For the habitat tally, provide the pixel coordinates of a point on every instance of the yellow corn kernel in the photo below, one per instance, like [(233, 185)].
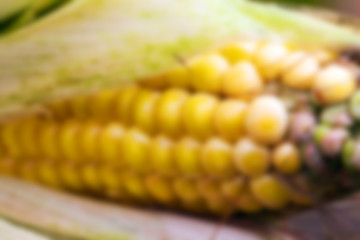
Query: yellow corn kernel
[(334, 84), (239, 51), (179, 76), (69, 142), (160, 189), (111, 143), (229, 119), (301, 75), (27, 135), (102, 104), (286, 158), (8, 167), (251, 159), (270, 192), (186, 190), (219, 207), (209, 189), (161, 155), (187, 156), (198, 115), (266, 120), (242, 81), (91, 177), (211, 192), (70, 176), (48, 174), (113, 182), (247, 202), (136, 150), (89, 140), (206, 71), (123, 104), (232, 188), (155, 82), (168, 111), (79, 106), (268, 59), (135, 188), (143, 110), (58, 109), (49, 141), (9, 139), (216, 158), (27, 171), (110, 177)]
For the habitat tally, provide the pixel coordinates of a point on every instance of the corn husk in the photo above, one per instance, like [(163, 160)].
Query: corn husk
[(9, 231), (76, 217), (89, 45)]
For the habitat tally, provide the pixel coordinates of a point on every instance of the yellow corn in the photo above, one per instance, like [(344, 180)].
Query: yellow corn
[(206, 136)]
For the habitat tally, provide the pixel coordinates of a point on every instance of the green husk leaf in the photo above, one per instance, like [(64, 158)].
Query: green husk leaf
[(34, 11), (89, 45), (294, 24), (9, 8)]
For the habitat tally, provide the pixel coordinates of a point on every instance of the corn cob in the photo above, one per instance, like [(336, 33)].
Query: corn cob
[(230, 130)]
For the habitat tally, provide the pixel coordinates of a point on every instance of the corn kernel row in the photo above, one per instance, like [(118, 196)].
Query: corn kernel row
[(195, 194), (241, 70), (133, 149), (175, 112)]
